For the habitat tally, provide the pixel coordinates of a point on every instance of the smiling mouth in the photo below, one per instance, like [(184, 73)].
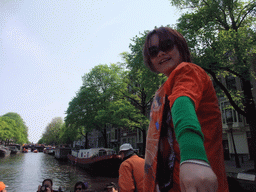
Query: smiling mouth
[(161, 62)]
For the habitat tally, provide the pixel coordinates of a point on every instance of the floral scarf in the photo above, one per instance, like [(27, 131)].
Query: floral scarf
[(159, 157)]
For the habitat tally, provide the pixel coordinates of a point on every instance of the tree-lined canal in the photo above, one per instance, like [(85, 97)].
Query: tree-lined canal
[(25, 171)]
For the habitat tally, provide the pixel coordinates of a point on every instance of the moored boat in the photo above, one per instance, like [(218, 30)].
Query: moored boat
[(61, 153), (49, 150), (24, 150), (14, 149), (4, 151), (97, 161)]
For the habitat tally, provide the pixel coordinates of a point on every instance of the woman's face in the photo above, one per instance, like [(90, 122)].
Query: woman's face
[(49, 184), (79, 188), (164, 61)]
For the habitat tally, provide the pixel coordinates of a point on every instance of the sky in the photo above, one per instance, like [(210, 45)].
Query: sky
[(47, 46)]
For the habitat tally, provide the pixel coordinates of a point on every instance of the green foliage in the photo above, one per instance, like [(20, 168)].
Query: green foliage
[(142, 85), (51, 136), (41, 141), (7, 126), (221, 39), (101, 86), (67, 134), (12, 127)]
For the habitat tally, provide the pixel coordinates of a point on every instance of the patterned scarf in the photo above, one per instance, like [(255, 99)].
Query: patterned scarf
[(159, 157)]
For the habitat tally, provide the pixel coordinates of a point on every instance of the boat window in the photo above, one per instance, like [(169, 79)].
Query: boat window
[(102, 152)]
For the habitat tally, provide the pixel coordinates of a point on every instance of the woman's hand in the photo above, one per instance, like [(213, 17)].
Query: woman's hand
[(48, 189), (39, 188), (197, 178)]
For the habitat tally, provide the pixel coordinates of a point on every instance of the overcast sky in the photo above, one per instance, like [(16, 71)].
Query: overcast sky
[(47, 46)]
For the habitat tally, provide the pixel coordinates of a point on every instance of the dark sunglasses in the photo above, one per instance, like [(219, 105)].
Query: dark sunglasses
[(165, 46), (79, 189)]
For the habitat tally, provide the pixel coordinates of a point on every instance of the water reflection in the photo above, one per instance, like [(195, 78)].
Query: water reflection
[(25, 171)]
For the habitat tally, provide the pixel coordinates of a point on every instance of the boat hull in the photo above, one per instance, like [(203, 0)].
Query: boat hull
[(106, 165), (4, 152)]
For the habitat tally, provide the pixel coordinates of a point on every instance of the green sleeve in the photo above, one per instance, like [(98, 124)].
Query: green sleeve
[(188, 130)]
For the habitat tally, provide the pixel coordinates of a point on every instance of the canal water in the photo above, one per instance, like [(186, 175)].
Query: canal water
[(25, 171)]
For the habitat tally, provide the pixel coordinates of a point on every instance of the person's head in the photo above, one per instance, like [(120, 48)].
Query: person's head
[(80, 186), (111, 187), (126, 150), (164, 49), (47, 183), (2, 187)]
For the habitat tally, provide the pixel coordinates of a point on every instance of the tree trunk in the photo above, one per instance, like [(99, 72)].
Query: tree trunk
[(86, 141), (250, 115), (105, 137)]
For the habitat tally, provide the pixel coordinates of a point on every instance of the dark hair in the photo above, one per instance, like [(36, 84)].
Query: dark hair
[(164, 33), (47, 180), (110, 186), (84, 185)]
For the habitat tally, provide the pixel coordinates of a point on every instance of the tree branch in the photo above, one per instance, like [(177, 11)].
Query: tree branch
[(240, 111), (248, 11), (231, 71), (225, 25)]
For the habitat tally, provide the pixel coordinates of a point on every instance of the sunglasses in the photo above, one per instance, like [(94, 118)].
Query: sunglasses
[(165, 46), (79, 189)]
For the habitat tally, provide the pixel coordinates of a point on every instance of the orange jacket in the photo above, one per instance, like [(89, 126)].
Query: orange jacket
[(189, 80), (131, 173)]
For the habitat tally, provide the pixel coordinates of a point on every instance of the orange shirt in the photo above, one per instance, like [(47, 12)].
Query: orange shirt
[(189, 80), (131, 172)]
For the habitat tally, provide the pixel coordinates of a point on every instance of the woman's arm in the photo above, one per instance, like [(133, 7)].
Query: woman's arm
[(194, 175)]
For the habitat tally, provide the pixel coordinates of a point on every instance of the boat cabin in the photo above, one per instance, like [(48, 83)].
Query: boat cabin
[(93, 152)]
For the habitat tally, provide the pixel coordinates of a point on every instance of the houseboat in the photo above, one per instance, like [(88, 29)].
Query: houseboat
[(4, 151), (13, 149), (49, 150), (97, 161), (61, 153)]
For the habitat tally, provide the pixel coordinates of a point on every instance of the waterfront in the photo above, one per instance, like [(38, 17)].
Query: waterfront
[(25, 171)]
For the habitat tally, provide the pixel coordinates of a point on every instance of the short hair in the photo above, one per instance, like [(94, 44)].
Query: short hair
[(111, 185), (84, 185), (47, 180), (164, 33)]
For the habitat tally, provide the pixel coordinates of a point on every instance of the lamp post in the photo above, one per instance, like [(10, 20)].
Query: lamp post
[(230, 128)]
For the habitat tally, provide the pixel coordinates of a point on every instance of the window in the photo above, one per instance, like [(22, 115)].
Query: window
[(139, 136), (225, 110), (231, 83), (114, 134), (102, 152)]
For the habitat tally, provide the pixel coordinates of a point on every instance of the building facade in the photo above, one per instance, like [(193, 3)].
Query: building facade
[(236, 131)]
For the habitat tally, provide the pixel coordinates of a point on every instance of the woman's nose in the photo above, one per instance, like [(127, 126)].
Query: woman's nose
[(160, 53)]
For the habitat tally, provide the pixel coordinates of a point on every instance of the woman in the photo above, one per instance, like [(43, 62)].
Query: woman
[(184, 143), (80, 186)]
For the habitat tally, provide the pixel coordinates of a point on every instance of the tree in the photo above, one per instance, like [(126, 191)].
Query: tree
[(142, 85), (222, 39), (20, 130), (76, 122), (67, 134), (6, 129), (100, 87), (51, 136)]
